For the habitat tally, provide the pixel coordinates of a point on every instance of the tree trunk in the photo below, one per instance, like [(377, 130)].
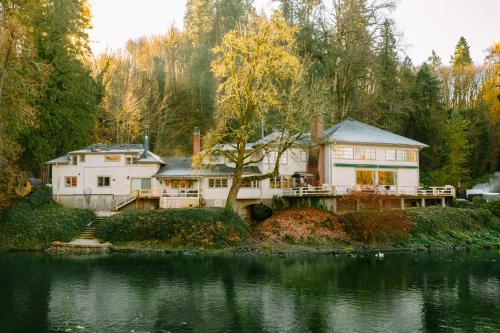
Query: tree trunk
[(238, 172)]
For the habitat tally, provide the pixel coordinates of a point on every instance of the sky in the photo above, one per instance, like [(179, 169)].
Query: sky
[(424, 24)]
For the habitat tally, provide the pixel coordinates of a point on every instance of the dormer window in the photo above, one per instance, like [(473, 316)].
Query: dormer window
[(74, 159), (131, 160)]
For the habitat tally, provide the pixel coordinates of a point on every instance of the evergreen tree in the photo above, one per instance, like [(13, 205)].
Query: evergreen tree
[(434, 61), (461, 56), (68, 104)]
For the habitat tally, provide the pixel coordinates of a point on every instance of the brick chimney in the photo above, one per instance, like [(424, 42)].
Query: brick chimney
[(196, 141), (316, 160), (145, 146)]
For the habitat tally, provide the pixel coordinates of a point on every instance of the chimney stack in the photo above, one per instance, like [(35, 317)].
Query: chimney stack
[(196, 141), (316, 163), (145, 147)]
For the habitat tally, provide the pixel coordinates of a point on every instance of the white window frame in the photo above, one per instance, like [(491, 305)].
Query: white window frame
[(74, 159), (130, 160), (252, 183), (103, 182), (112, 161), (214, 183), (303, 156), (279, 182), (343, 153), (365, 154), (389, 153)]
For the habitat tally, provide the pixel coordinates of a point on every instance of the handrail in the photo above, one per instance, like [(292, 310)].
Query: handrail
[(326, 190)]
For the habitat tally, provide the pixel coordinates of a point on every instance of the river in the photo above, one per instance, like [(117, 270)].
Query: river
[(401, 292)]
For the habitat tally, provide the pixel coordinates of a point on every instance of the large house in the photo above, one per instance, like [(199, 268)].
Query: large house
[(349, 157)]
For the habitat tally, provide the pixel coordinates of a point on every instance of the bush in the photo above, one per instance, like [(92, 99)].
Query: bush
[(451, 225), (176, 227), (26, 227), (494, 207), (478, 202), (382, 227)]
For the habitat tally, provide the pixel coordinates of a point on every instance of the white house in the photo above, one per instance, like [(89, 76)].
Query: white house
[(350, 157)]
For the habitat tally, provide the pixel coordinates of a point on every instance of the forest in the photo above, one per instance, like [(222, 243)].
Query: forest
[(55, 96)]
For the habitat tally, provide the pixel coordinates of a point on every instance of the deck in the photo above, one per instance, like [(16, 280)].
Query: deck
[(399, 191)]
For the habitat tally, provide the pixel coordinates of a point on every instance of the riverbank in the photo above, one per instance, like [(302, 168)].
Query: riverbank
[(313, 231), (36, 222)]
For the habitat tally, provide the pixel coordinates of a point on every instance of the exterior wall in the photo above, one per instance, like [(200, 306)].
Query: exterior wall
[(120, 174), (95, 202), (407, 172)]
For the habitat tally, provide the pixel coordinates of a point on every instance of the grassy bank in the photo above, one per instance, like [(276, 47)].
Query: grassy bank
[(33, 223), (187, 228)]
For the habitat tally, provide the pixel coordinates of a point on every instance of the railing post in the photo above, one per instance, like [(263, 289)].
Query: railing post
[(301, 191)]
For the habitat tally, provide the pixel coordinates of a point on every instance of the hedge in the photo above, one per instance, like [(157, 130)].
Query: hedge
[(176, 227), (35, 222)]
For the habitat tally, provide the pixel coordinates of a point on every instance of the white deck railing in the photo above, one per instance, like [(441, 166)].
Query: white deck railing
[(177, 193), (441, 191)]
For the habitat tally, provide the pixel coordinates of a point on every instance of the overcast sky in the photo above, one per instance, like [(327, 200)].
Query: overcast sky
[(425, 24)]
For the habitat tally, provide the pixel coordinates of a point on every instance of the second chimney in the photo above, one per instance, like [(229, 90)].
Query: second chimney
[(196, 141)]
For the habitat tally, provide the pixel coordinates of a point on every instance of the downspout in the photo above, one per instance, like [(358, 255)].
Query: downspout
[(58, 183)]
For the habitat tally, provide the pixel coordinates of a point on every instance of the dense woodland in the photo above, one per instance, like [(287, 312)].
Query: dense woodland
[(55, 97)]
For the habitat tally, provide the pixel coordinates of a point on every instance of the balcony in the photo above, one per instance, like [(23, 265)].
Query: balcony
[(390, 190)]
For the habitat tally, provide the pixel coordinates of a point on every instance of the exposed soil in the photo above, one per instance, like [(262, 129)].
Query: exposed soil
[(302, 224)]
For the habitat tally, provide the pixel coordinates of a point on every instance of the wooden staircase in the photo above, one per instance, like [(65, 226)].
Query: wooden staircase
[(124, 200)]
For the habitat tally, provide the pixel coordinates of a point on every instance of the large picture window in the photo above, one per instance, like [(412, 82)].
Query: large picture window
[(112, 158), (343, 153), (365, 177), (387, 178), (390, 154), (407, 155), (280, 182), (250, 183)]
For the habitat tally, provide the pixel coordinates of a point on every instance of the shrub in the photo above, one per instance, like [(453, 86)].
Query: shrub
[(451, 225), (478, 202), (176, 227), (26, 227), (376, 226), (494, 207)]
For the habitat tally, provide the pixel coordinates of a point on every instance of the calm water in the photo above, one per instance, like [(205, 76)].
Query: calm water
[(457, 292)]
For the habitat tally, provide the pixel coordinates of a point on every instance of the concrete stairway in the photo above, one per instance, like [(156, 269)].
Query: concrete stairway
[(89, 232)]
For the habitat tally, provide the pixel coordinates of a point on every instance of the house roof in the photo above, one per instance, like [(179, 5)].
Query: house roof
[(111, 148), (354, 131), (59, 160), (182, 167)]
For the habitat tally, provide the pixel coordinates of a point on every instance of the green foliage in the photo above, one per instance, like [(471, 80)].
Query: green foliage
[(494, 207), (176, 227), (277, 203), (40, 196), (452, 226), (478, 202), (27, 227)]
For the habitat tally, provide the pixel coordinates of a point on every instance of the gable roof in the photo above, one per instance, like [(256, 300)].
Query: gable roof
[(354, 131)]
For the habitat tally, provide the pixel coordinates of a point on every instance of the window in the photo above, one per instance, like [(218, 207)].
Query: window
[(103, 181), (303, 156), (131, 160), (217, 182), (343, 152), (112, 158), (74, 159), (387, 178), (271, 157), (280, 182), (402, 155), (407, 155), (250, 183), (365, 153), (390, 154), (412, 156), (71, 181), (82, 158), (284, 158), (365, 177)]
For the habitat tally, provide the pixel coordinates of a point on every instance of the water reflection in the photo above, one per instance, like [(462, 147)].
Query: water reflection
[(153, 293)]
